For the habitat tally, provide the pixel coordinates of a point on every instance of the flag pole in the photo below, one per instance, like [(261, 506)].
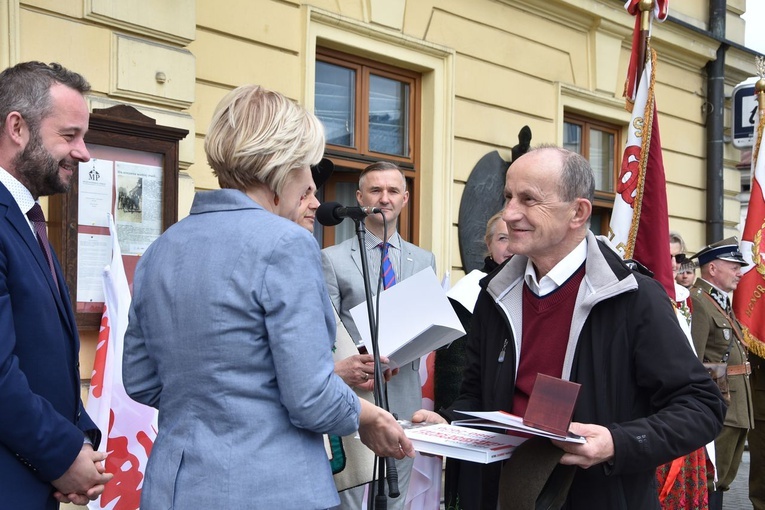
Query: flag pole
[(759, 91), (645, 6)]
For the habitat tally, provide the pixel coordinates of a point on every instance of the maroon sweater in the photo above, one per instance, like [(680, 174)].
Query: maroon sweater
[(546, 327)]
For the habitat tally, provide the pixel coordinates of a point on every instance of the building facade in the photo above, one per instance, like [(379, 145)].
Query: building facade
[(431, 84)]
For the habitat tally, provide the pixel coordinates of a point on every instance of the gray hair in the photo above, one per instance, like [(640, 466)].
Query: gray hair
[(25, 88)]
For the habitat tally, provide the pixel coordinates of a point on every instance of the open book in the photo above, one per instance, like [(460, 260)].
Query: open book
[(415, 319), (507, 421), (460, 442)]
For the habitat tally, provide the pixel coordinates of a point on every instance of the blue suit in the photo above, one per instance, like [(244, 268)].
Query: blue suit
[(230, 337), (42, 421)]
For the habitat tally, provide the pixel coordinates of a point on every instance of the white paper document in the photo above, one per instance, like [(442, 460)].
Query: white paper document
[(466, 291), (507, 421), (415, 319)]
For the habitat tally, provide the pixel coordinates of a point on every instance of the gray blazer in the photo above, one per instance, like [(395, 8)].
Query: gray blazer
[(230, 337), (342, 271)]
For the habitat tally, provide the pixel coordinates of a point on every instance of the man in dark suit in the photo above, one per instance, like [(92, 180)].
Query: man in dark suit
[(47, 440), (381, 185)]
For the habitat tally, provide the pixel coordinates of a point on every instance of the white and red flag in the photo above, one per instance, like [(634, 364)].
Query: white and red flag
[(748, 299), (639, 226), (128, 428)]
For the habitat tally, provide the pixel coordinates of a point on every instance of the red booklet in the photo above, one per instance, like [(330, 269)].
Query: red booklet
[(548, 414), (551, 404)]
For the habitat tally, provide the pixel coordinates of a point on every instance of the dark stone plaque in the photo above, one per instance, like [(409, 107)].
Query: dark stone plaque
[(484, 196)]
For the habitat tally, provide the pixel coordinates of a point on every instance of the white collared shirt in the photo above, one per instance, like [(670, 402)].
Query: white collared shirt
[(20, 194), (559, 274), (374, 254)]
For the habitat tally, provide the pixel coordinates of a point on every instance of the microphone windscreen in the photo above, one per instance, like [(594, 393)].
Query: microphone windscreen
[(325, 214)]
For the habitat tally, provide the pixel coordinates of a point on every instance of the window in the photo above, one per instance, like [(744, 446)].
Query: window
[(370, 113), (599, 143)]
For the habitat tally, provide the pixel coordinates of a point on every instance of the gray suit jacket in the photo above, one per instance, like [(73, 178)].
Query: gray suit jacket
[(342, 271), (230, 337)]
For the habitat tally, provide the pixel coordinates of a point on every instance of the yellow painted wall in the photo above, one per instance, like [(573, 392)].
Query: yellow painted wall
[(489, 67)]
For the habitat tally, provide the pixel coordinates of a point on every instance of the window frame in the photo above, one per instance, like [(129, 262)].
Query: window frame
[(350, 161), (604, 199), (365, 67)]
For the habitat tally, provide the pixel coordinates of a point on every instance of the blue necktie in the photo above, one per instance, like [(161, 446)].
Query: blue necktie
[(389, 276)]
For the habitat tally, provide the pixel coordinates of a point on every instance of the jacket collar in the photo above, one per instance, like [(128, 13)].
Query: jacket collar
[(606, 274), (222, 200), (407, 256), (721, 297), (18, 221)]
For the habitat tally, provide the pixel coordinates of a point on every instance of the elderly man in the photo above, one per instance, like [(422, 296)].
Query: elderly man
[(717, 337), (566, 305), (46, 439)]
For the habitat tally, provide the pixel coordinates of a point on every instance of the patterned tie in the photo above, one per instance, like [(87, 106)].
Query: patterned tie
[(389, 276), (37, 218)]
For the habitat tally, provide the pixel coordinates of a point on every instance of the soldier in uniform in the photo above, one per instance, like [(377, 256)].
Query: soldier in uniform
[(717, 338)]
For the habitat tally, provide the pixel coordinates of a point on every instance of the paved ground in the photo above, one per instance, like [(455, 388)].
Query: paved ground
[(737, 498)]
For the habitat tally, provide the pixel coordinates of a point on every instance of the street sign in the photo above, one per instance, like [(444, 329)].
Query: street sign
[(744, 114)]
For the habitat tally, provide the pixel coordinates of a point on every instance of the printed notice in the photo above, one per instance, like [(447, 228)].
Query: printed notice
[(139, 206), (94, 198), (93, 255)]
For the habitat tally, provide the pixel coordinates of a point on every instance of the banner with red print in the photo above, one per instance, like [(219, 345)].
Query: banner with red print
[(639, 226), (748, 302), (129, 428)]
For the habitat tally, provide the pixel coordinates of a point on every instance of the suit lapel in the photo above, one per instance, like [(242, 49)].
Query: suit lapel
[(407, 260), (356, 254), (18, 222)]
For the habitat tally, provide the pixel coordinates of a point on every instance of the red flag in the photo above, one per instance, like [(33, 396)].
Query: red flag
[(748, 298), (129, 428), (639, 226)]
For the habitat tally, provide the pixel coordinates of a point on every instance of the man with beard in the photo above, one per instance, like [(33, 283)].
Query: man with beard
[(47, 441)]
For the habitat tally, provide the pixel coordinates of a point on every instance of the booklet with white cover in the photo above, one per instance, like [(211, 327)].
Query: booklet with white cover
[(460, 442), (507, 421), (415, 319)]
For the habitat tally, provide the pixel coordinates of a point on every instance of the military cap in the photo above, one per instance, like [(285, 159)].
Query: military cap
[(727, 249)]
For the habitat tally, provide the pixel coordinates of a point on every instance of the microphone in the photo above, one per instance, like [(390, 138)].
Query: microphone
[(332, 213)]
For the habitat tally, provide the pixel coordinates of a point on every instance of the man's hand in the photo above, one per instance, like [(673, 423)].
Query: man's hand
[(84, 480), (427, 416), (598, 448), (358, 371), (381, 433)]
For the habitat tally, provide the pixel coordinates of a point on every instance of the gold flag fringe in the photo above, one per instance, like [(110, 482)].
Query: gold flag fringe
[(755, 345)]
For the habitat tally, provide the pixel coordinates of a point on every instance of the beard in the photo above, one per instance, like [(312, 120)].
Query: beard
[(38, 170)]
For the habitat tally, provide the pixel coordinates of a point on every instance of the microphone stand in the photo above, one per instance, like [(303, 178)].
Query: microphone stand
[(381, 397)]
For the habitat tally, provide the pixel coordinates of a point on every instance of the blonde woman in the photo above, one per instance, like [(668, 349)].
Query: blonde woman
[(231, 329)]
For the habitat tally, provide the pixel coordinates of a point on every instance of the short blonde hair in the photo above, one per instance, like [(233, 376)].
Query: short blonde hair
[(258, 136), (490, 229)]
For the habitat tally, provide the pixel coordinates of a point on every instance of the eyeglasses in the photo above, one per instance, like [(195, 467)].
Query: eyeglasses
[(680, 258)]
